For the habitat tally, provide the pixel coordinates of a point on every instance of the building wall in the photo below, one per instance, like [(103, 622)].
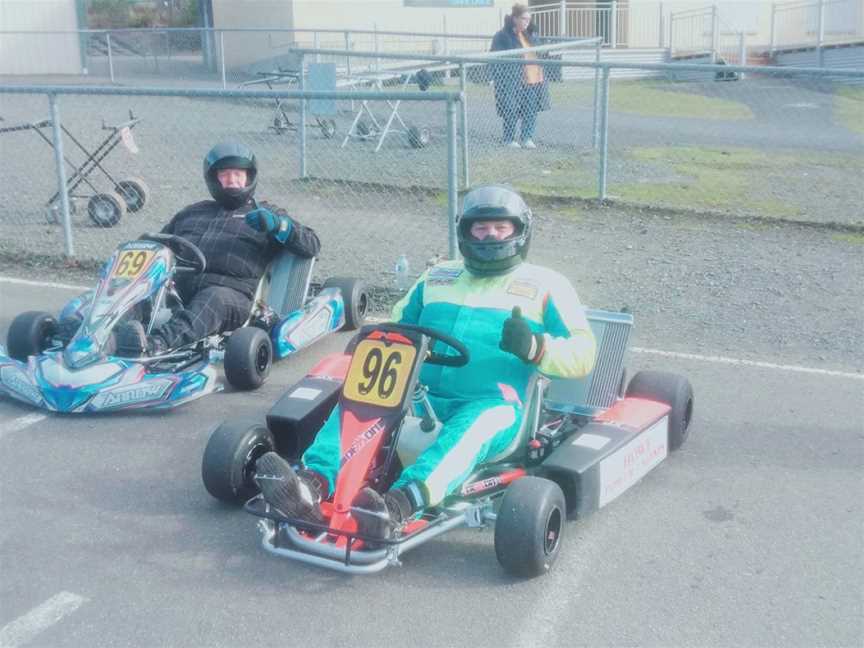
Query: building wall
[(243, 49), (42, 53)]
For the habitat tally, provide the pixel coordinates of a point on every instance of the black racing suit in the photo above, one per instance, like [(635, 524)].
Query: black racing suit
[(237, 255)]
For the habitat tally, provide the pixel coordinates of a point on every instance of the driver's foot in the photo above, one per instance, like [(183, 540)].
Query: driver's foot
[(377, 515), (291, 495)]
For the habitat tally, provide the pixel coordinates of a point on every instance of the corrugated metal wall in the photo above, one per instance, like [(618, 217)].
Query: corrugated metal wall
[(39, 54), (841, 57)]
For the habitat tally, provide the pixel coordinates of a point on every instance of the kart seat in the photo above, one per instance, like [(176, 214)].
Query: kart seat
[(585, 396), (285, 285)]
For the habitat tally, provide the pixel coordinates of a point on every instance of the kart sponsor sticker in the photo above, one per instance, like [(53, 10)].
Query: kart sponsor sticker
[(593, 441), (361, 440), (379, 372), (305, 393), (631, 462), (17, 381), (311, 329), (131, 263), (442, 276), (523, 289), (153, 390)]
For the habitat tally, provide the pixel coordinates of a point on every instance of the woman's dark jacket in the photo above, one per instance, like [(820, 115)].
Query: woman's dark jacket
[(511, 96)]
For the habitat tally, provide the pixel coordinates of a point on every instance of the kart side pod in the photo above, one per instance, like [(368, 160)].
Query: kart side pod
[(610, 454)]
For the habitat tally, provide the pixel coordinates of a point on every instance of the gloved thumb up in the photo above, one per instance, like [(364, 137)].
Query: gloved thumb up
[(518, 339)]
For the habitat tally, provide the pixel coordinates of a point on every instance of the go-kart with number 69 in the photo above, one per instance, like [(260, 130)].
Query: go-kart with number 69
[(75, 368), (582, 443)]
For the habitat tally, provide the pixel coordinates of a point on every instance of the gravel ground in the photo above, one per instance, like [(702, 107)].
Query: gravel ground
[(777, 292)]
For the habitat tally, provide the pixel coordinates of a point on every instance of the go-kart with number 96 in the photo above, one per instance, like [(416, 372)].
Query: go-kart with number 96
[(72, 365), (581, 444)]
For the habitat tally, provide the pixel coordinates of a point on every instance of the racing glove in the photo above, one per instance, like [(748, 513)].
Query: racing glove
[(264, 220), (518, 338)]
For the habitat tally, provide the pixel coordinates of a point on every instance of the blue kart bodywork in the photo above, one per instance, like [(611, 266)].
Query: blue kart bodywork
[(82, 374)]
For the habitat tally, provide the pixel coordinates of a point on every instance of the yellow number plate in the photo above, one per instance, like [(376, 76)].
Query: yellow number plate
[(379, 373), (132, 262)]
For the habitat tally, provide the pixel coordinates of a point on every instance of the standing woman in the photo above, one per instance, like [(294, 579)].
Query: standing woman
[(521, 91)]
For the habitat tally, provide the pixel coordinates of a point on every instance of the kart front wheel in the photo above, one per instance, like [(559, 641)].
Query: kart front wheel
[(248, 358), (30, 334), (529, 526), (675, 391), (228, 467), (355, 298)]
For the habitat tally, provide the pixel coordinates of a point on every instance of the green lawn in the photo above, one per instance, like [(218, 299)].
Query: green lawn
[(849, 108)]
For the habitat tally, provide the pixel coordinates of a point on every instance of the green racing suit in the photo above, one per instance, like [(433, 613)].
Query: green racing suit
[(481, 403)]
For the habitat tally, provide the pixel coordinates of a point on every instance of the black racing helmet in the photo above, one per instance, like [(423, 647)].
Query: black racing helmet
[(493, 202), (230, 155)]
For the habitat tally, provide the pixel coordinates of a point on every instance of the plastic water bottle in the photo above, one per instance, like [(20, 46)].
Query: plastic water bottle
[(402, 272)]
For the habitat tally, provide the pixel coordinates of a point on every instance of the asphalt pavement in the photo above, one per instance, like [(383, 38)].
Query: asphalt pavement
[(750, 535)]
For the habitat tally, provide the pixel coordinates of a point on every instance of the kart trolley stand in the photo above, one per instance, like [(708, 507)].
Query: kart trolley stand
[(361, 129), (281, 122), (105, 208)]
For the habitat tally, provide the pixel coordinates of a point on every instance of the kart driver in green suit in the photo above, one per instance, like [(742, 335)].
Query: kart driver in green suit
[(514, 317)]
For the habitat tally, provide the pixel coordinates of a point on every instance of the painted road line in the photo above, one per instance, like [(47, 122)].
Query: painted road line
[(749, 363), (20, 423), (41, 284), (40, 618)]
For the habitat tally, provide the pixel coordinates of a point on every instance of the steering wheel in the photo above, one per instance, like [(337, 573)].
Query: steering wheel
[(189, 257), (436, 336)]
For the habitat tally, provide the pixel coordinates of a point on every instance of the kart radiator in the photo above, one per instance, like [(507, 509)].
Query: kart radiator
[(289, 282), (599, 389)]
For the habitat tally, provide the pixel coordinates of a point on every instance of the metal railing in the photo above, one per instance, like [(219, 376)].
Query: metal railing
[(815, 23)]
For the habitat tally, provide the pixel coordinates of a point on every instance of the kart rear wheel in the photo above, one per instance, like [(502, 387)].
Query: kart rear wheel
[(106, 209), (529, 526), (248, 357), (134, 192), (673, 390), (30, 334), (355, 298), (228, 467)]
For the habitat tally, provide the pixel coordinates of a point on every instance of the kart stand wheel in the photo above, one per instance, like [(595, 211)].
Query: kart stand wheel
[(280, 123), (228, 466), (30, 334), (54, 211), (328, 127), (673, 390), (529, 526), (362, 129), (106, 209), (355, 298), (134, 192), (248, 357), (419, 137)]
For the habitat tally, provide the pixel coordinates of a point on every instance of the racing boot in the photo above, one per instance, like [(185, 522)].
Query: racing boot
[(292, 494), (377, 515)]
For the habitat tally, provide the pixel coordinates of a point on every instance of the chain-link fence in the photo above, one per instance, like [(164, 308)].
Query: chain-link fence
[(377, 174)]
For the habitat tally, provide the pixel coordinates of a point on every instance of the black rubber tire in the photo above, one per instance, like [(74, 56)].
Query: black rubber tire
[(106, 209), (529, 527), (30, 334), (419, 137), (248, 358), (54, 211), (356, 299), (328, 127), (675, 391), (134, 192), (228, 466), (362, 129)]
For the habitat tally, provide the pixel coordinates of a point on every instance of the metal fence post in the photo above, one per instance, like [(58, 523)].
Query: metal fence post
[(660, 26), (773, 29), (671, 34), (562, 18), (377, 49), (604, 135), (61, 174), (595, 127), (452, 180), (316, 43), (715, 33), (110, 57), (463, 126), (222, 59), (302, 125), (613, 23), (742, 52), (820, 33)]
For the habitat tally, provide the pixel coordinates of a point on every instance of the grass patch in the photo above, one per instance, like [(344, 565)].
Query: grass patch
[(856, 238), (648, 98), (849, 108), (539, 173)]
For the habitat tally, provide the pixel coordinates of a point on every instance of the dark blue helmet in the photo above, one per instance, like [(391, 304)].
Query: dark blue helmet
[(230, 155)]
